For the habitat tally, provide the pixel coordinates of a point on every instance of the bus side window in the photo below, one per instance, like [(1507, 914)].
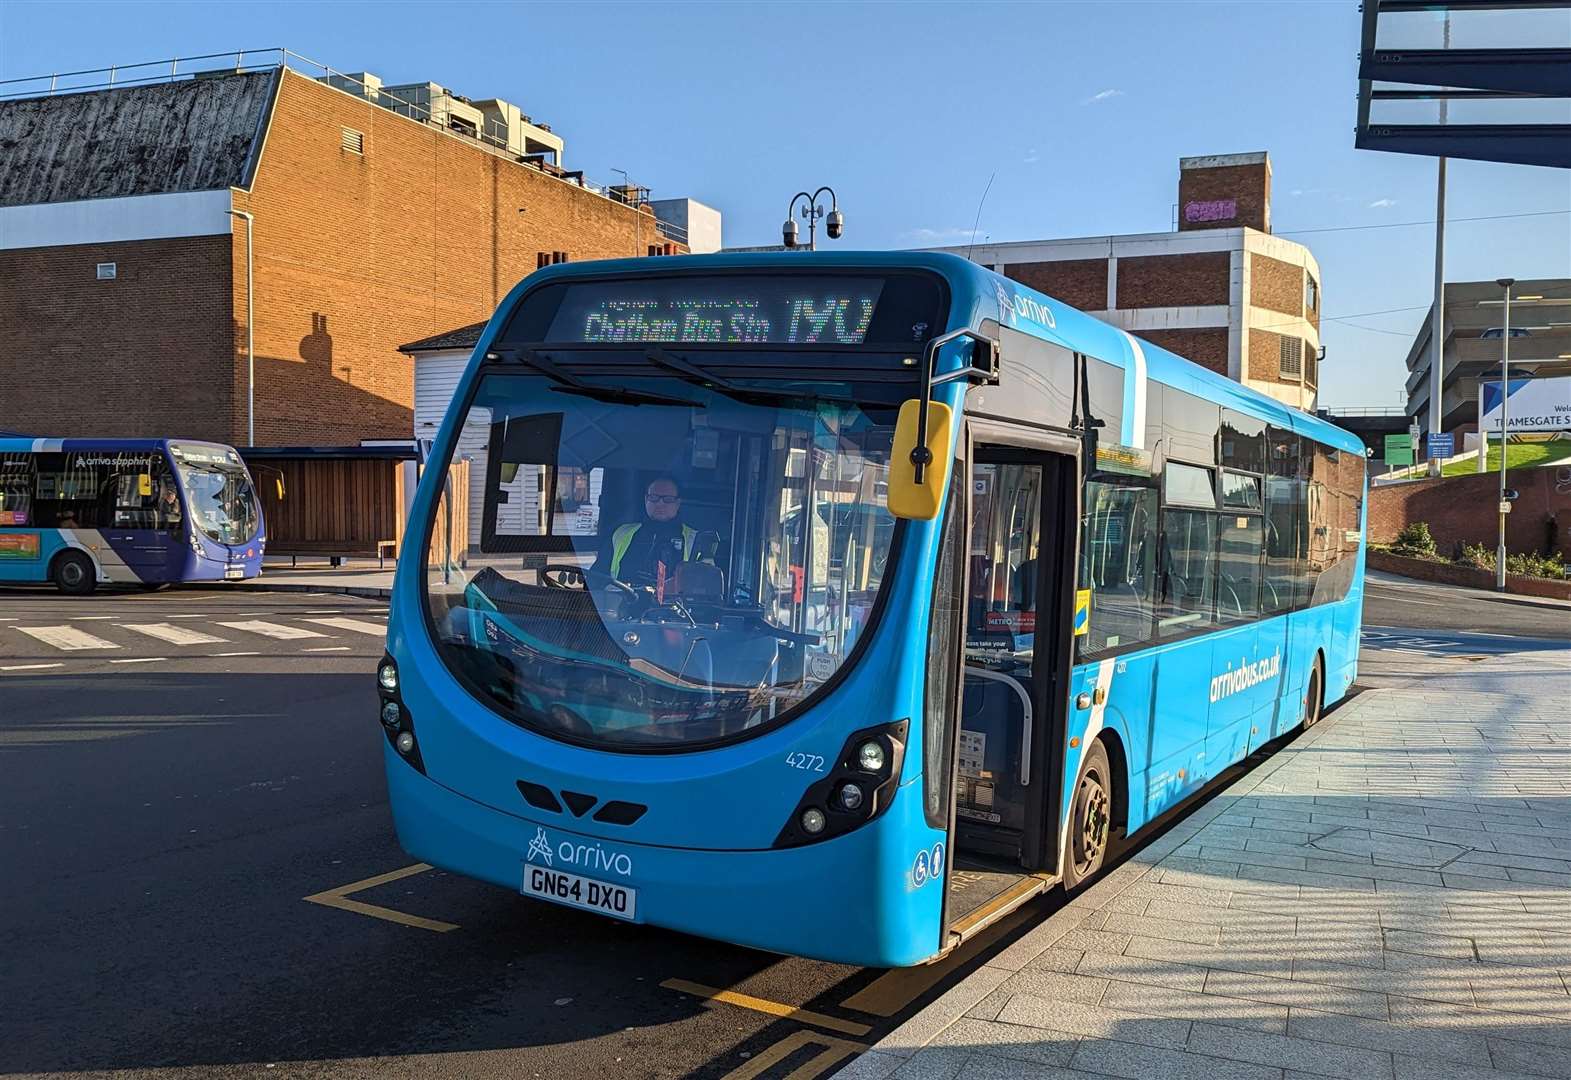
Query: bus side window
[(1118, 549), (1284, 524), (1189, 556)]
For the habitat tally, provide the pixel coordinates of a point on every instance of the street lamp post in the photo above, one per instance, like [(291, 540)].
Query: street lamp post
[(834, 226), (1505, 426), (250, 331)]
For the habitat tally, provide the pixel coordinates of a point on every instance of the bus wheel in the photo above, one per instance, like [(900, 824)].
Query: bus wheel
[(1314, 695), (1090, 818), (73, 573)]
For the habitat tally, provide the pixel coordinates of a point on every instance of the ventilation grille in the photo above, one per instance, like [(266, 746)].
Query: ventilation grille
[(354, 141), (1292, 357)]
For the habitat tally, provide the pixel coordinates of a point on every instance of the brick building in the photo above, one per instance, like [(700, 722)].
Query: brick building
[(123, 281), (1220, 291)]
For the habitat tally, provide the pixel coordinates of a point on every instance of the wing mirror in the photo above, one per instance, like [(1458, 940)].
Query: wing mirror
[(909, 497)]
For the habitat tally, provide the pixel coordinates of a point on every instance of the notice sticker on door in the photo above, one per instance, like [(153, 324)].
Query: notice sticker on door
[(1082, 612), (973, 751)]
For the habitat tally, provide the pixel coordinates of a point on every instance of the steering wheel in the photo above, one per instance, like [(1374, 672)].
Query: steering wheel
[(564, 571), (588, 578)]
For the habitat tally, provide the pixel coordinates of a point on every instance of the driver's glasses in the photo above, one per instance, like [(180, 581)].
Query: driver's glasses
[(668, 500)]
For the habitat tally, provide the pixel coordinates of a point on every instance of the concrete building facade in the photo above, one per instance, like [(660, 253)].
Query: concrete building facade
[(123, 284), (1220, 290), (1471, 345)]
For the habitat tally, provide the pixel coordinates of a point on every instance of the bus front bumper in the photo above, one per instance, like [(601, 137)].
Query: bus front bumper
[(828, 901)]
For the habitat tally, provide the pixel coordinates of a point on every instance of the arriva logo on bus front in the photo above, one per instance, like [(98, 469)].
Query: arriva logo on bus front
[(585, 856), (1245, 675)]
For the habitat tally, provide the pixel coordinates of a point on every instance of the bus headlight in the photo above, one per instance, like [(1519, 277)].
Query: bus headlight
[(856, 790), (397, 723), (870, 755)]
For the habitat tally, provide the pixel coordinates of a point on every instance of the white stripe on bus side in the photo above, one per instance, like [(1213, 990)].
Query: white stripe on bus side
[(1135, 420), (1101, 689)]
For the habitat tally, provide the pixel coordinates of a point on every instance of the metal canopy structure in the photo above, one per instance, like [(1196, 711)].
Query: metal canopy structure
[(1507, 83)]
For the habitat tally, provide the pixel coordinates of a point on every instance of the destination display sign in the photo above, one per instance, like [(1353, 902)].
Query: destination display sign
[(733, 310)]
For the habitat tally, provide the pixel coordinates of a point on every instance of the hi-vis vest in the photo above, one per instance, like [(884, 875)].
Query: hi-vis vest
[(622, 539)]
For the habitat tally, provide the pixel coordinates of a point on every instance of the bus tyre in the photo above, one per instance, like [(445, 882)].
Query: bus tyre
[(1090, 818), (1314, 694), (73, 574)]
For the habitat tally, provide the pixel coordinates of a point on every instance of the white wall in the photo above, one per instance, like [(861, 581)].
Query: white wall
[(701, 223), (436, 381), (109, 221)]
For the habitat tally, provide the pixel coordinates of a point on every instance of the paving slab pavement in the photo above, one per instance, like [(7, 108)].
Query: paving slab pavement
[(1389, 896), (355, 577)]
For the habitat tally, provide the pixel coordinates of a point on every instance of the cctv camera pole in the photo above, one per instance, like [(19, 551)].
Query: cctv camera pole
[(810, 214), (1505, 426)]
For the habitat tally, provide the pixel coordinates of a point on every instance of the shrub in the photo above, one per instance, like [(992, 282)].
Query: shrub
[(1530, 564), (1414, 541), (1535, 565), (1477, 555)]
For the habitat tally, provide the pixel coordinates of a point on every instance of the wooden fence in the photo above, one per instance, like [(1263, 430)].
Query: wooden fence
[(343, 505)]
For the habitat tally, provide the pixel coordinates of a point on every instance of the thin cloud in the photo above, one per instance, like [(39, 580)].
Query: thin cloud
[(1031, 156), (1105, 95), (1381, 204), (937, 236)]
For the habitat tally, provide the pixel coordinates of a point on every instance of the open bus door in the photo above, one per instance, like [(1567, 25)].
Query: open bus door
[(1008, 722)]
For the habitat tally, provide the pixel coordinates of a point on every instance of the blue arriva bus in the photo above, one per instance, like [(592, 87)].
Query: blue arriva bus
[(85, 512), (747, 647)]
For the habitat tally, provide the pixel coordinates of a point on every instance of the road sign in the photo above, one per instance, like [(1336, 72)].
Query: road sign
[(1399, 449), (1441, 444)]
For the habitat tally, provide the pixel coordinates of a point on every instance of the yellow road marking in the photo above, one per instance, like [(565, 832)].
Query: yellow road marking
[(892, 991), (764, 1005), (815, 1066), (339, 898)]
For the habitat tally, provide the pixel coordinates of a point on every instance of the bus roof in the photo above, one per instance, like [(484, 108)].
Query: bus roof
[(40, 446), (978, 295)]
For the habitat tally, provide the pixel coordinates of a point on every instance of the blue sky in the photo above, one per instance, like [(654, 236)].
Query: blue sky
[(1081, 110)]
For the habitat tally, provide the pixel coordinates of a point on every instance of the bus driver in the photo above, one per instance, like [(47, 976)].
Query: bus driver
[(648, 552)]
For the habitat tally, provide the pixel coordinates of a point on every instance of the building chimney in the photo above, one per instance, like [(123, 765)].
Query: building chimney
[(1225, 191)]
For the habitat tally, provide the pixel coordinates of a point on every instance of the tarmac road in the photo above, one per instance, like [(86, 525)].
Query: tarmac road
[(201, 877)]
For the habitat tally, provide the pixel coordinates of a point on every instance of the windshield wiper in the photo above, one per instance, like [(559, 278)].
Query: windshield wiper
[(693, 373), (568, 383)]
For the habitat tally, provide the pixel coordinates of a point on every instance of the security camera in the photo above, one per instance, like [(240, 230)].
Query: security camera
[(788, 233), (835, 224)]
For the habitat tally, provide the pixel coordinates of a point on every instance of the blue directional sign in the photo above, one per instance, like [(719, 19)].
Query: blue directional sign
[(1440, 444)]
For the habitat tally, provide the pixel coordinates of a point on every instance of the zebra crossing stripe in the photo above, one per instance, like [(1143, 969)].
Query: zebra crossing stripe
[(175, 635), (357, 625), (66, 638), (272, 630)]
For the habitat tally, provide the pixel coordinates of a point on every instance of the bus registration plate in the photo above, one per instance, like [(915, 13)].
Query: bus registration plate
[(617, 901), (234, 573)]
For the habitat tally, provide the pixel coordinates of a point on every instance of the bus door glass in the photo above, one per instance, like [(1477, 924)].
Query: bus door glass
[(139, 507), (997, 711)]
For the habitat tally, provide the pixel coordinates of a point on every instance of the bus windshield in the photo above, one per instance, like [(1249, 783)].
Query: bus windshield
[(218, 493), (663, 565)]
